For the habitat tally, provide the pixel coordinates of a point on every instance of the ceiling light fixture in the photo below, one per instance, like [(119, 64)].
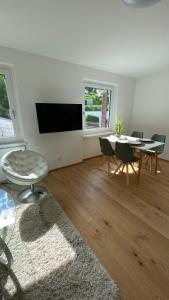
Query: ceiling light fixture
[(140, 3)]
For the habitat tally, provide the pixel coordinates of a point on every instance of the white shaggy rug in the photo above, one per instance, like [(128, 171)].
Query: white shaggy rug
[(51, 259)]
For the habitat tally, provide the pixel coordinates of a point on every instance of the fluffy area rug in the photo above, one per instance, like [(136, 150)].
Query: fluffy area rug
[(51, 259)]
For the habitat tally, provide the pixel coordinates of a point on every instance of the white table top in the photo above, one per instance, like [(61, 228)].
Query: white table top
[(129, 139)]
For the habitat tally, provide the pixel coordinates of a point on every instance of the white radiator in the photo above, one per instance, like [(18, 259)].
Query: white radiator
[(6, 148)]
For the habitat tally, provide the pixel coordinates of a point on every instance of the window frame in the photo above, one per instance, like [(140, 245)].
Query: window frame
[(9, 78), (113, 107)]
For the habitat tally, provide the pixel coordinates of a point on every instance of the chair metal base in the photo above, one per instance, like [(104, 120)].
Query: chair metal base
[(32, 194)]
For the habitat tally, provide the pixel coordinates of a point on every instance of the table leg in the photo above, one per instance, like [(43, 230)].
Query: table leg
[(9, 259), (156, 158)]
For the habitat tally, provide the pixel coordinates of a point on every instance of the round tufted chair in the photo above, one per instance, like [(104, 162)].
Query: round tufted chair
[(25, 167)]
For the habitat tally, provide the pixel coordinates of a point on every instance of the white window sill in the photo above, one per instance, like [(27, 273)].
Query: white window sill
[(90, 135), (12, 145)]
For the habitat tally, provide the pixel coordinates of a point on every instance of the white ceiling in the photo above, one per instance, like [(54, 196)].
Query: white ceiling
[(104, 34)]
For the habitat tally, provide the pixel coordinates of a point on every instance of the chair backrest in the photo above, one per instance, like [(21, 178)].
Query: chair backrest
[(159, 138), (124, 152), (138, 134), (106, 147)]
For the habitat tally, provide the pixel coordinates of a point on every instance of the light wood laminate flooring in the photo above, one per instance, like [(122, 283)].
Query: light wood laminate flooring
[(127, 227)]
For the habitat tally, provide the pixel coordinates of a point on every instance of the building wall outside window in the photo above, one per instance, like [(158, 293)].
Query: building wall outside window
[(9, 121)]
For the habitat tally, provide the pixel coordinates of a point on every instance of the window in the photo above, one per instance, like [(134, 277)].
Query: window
[(97, 107), (8, 126)]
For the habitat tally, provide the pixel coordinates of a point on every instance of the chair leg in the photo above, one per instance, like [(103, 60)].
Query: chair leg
[(156, 161), (108, 165), (108, 160), (123, 168), (147, 160), (158, 164), (115, 161), (127, 174), (118, 168), (151, 162), (133, 169)]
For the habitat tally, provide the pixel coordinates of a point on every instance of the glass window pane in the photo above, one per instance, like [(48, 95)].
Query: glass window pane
[(6, 125), (97, 107)]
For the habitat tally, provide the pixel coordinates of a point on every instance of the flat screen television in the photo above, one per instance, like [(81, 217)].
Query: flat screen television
[(57, 117)]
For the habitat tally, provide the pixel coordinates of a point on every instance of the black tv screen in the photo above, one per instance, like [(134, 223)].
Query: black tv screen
[(56, 117)]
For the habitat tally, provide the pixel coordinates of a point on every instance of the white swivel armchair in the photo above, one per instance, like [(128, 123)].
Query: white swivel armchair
[(25, 167)]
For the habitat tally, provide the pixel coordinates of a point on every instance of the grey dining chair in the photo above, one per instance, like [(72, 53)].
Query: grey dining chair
[(108, 152), (137, 134), (150, 154), (125, 154)]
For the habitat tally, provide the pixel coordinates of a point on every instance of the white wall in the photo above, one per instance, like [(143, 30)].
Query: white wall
[(151, 106), (43, 79)]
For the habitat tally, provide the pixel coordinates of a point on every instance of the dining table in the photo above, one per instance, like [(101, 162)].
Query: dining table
[(141, 145)]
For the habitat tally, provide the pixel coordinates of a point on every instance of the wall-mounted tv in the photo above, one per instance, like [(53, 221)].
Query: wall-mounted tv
[(57, 117)]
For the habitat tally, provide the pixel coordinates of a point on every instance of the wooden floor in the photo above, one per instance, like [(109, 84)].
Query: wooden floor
[(126, 227)]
